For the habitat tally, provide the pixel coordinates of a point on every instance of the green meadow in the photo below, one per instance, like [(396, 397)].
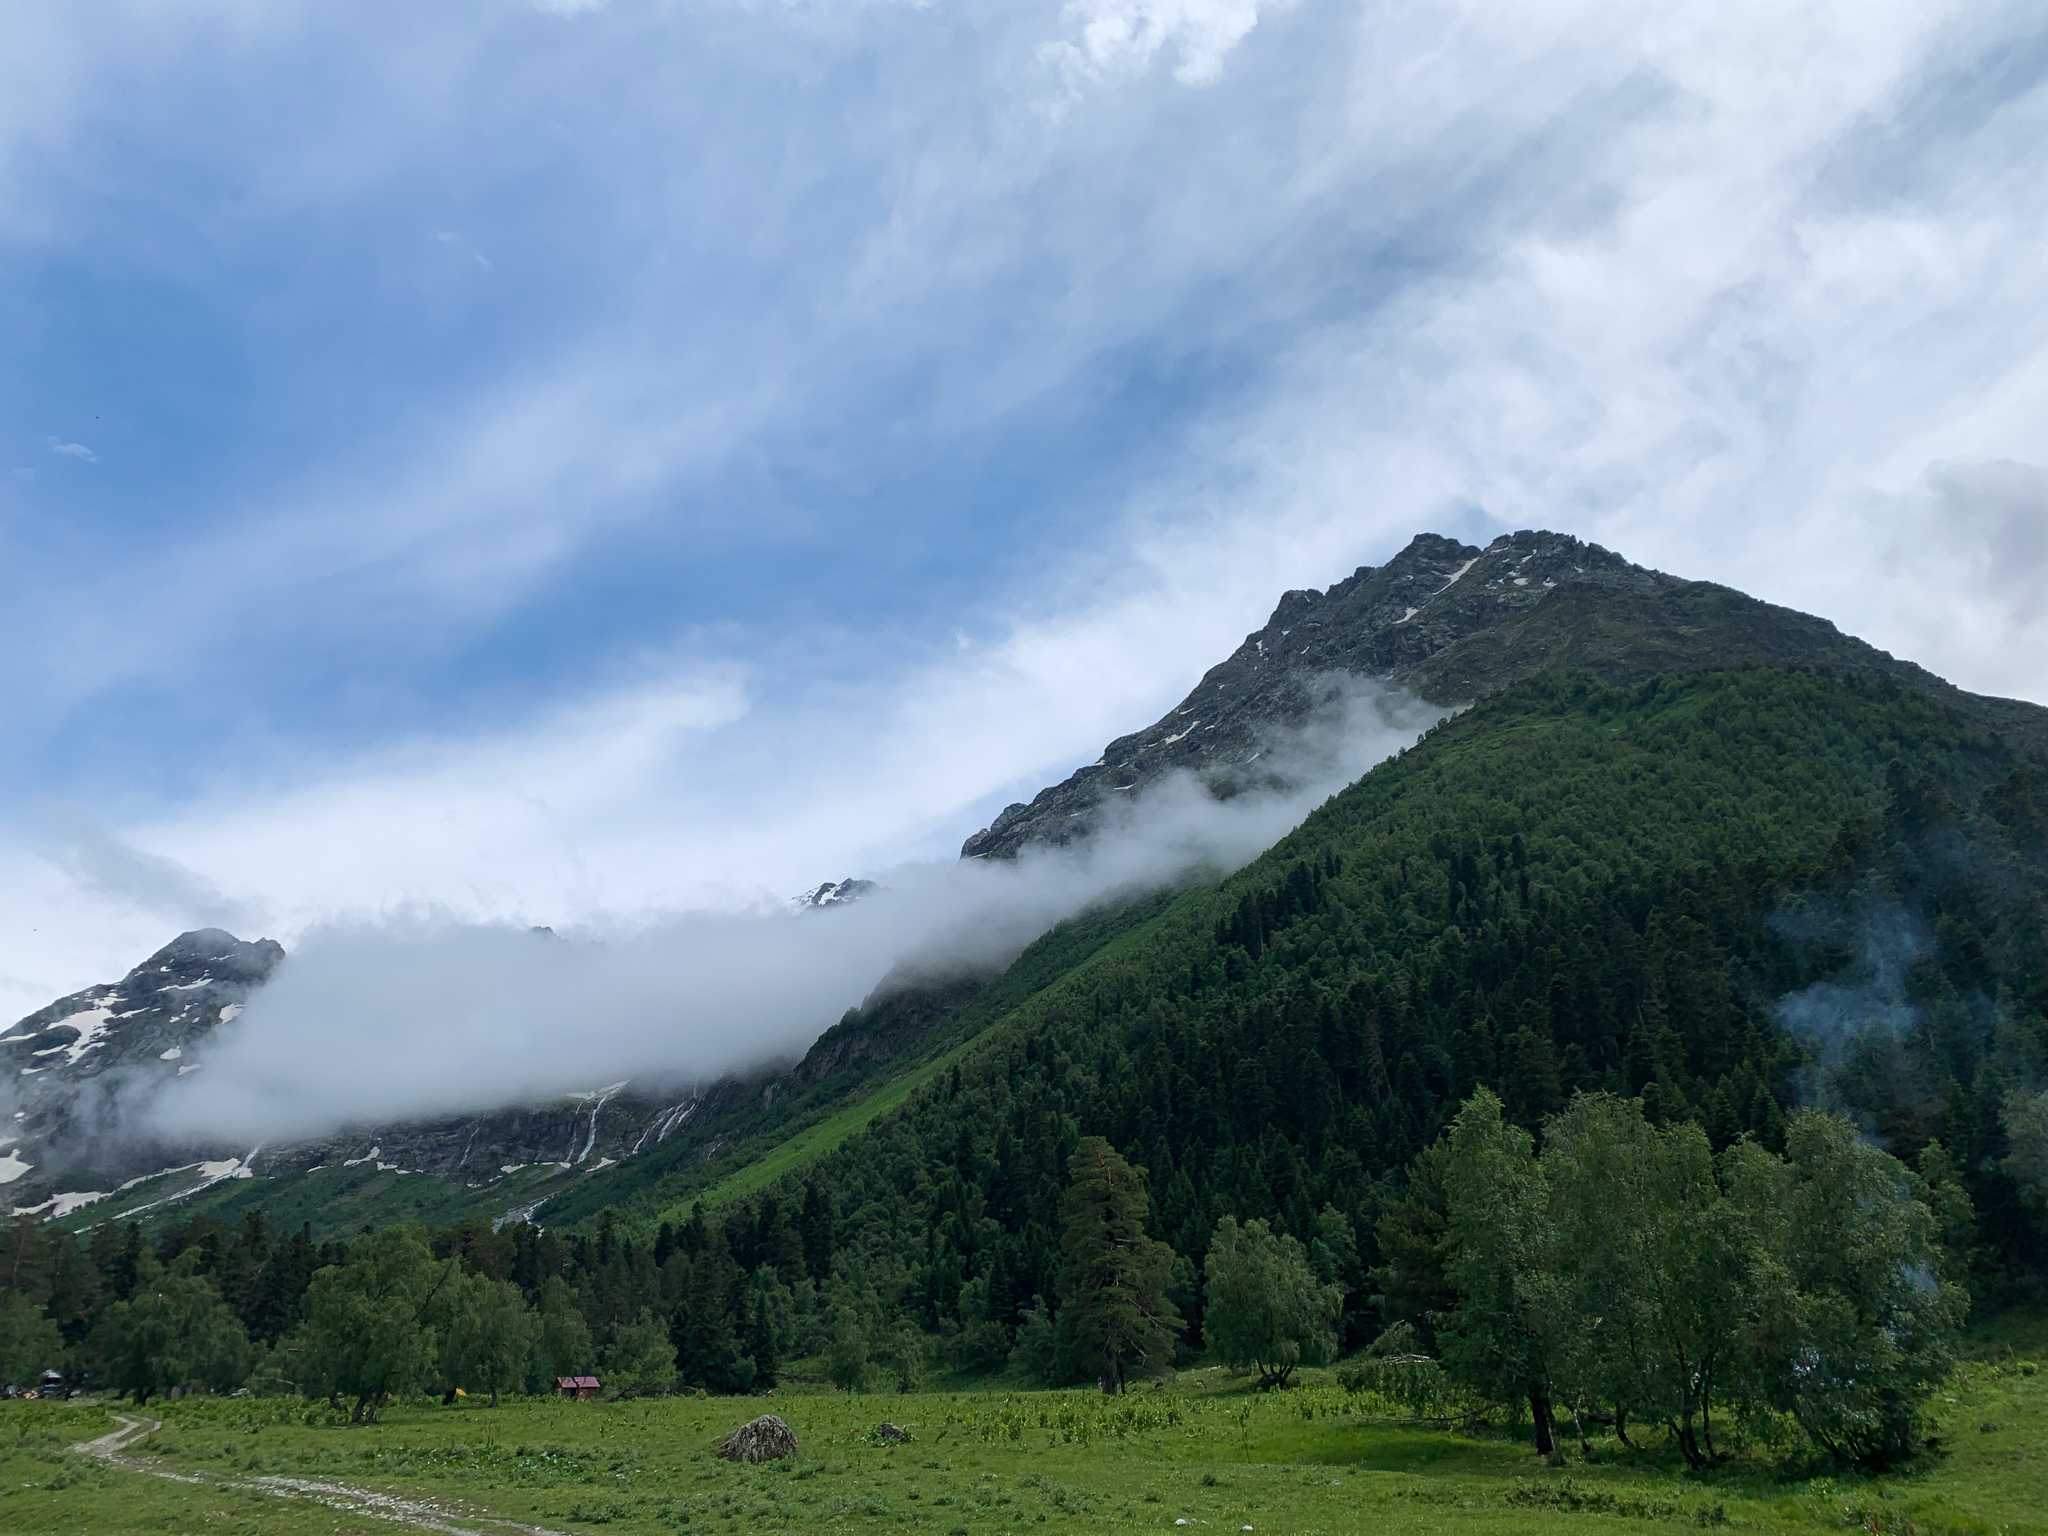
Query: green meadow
[(1202, 1453)]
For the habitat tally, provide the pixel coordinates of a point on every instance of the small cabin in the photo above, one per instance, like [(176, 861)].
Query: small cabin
[(576, 1386)]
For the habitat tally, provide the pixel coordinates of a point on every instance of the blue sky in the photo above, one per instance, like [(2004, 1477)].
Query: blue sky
[(579, 462)]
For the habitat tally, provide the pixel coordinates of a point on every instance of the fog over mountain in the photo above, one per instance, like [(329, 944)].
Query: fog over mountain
[(574, 463), (420, 1015)]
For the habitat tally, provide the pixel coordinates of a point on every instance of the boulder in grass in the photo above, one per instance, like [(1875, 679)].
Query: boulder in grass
[(890, 1433), (764, 1439)]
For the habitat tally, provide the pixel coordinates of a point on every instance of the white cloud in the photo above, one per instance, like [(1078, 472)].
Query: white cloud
[(561, 815), (73, 451), (420, 1014), (1750, 292), (1123, 37), (1966, 565), (104, 866)]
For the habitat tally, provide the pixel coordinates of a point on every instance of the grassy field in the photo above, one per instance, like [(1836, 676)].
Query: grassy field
[(1202, 1453)]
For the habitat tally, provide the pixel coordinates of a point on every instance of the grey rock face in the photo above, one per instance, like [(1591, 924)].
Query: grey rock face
[(1384, 623), (832, 894), (586, 1129), (1450, 623), (73, 1075)]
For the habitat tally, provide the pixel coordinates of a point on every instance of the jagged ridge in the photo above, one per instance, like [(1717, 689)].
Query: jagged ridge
[(1453, 623)]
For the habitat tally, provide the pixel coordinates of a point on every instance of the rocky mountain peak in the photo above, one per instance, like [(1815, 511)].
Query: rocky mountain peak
[(1448, 623), (69, 1071), (832, 893)]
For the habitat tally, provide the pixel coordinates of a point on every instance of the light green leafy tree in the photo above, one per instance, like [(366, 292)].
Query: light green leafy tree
[(1040, 1349), (1264, 1309), (1113, 1307), (846, 1356), (486, 1334), (366, 1335), (908, 1356), (1659, 1268), (1506, 1332), (1859, 1323), (640, 1358), (29, 1341), (173, 1331), (563, 1346)]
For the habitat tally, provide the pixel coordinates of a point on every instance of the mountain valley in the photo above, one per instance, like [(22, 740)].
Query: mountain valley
[(1804, 736)]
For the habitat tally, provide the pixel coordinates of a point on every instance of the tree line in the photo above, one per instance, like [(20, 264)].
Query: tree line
[(1577, 890), (1572, 895), (1625, 1271)]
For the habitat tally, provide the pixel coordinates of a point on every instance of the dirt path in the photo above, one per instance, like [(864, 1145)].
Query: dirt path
[(419, 1514)]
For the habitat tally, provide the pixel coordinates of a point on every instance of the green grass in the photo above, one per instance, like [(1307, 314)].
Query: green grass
[(816, 1140), (1100, 936), (336, 1200), (1204, 1450)]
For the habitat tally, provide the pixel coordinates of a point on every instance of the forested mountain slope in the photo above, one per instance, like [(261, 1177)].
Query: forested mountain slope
[(1724, 894), (1572, 886), (1451, 622)]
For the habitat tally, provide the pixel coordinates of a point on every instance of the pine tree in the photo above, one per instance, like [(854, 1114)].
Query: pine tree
[(1113, 1306)]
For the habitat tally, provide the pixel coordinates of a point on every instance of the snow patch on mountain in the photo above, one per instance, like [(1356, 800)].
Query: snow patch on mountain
[(832, 893)]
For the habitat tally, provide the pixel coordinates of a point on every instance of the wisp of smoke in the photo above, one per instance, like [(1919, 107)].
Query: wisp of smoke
[(369, 1023), (1868, 1007)]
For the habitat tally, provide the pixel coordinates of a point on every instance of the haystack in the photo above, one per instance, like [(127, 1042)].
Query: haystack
[(765, 1439)]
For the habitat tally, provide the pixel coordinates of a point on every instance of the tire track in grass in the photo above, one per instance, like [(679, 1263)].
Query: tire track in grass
[(419, 1514)]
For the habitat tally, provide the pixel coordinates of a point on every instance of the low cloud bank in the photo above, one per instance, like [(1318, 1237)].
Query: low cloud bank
[(370, 1023)]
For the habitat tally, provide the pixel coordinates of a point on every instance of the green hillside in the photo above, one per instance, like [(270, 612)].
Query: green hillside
[(1723, 896), (1572, 886), (750, 1131)]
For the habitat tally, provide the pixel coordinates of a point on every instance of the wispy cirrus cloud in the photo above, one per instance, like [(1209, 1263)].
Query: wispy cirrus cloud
[(1113, 37), (813, 346)]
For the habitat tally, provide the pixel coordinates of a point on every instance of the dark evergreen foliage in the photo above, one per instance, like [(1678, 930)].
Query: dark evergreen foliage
[(1699, 893)]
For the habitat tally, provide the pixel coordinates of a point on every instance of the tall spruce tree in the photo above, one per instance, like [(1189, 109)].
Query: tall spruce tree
[(1113, 1306)]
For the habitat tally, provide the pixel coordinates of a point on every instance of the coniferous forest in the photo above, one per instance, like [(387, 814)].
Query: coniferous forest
[(1669, 1055)]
